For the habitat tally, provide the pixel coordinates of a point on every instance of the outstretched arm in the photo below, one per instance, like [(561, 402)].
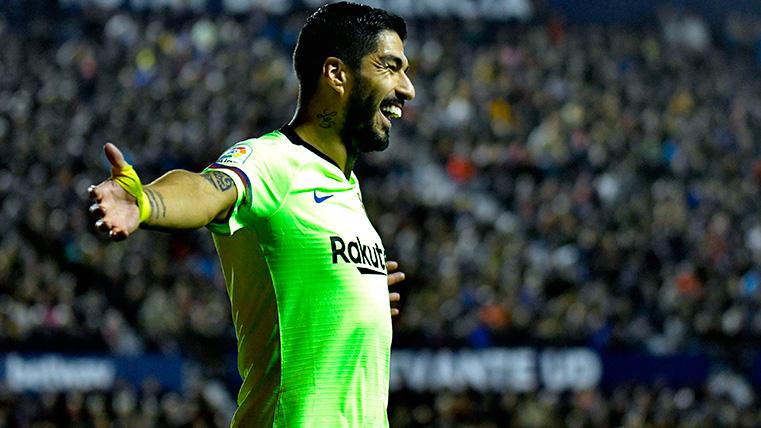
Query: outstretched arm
[(177, 200)]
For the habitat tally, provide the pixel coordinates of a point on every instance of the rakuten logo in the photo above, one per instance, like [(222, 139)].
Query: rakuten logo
[(368, 260)]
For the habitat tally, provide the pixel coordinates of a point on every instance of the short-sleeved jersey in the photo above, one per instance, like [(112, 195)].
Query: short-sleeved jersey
[(306, 275)]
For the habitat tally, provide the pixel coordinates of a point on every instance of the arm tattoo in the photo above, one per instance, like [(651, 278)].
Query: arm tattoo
[(152, 201), (163, 205), (219, 180), (327, 118), (158, 207)]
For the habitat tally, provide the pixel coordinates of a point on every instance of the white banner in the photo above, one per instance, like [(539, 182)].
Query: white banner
[(54, 373), (495, 369)]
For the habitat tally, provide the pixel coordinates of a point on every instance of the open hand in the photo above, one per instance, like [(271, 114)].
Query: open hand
[(115, 211)]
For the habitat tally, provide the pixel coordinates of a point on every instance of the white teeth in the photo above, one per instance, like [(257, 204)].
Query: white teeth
[(392, 112)]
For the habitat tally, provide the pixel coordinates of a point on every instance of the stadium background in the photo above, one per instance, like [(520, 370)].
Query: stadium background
[(574, 196)]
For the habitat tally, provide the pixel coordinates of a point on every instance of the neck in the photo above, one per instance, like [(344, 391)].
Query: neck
[(321, 130)]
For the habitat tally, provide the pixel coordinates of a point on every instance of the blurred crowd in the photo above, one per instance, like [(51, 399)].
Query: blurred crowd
[(624, 407), (122, 407), (549, 185)]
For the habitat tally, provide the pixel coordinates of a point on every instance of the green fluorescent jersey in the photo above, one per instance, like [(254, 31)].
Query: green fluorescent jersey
[(306, 275)]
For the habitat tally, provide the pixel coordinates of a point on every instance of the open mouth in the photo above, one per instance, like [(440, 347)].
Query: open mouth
[(391, 110)]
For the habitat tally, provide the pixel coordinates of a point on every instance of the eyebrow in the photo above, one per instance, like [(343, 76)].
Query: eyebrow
[(396, 60)]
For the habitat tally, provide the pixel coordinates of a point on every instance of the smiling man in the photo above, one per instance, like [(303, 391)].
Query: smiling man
[(305, 269)]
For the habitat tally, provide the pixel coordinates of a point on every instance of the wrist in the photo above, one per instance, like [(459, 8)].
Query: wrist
[(144, 207), (127, 178)]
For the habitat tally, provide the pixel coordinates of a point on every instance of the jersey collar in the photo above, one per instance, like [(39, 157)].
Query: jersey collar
[(294, 138)]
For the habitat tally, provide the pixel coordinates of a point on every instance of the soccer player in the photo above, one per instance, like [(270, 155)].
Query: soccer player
[(305, 269)]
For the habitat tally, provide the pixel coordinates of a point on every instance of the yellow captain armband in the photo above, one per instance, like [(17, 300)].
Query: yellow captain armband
[(127, 178)]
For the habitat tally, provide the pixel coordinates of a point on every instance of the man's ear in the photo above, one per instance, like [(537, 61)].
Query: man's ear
[(336, 74)]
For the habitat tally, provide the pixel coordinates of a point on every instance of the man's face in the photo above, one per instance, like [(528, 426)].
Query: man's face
[(379, 91)]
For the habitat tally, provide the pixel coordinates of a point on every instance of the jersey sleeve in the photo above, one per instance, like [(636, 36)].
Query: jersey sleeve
[(262, 177)]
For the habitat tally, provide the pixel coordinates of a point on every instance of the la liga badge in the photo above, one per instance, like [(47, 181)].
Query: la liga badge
[(235, 155)]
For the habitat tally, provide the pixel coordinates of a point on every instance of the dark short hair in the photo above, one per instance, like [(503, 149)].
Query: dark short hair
[(344, 30)]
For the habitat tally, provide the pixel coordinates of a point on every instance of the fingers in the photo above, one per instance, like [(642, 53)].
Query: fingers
[(395, 277), (102, 223), (115, 156), (117, 235), (113, 233), (102, 226), (95, 193), (97, 211), (394, 297)]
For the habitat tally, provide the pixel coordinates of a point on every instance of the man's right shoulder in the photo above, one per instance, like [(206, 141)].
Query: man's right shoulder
[(271, 140), (271, 145)]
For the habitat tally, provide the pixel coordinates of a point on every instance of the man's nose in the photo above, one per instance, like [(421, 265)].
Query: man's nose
[(405, 88)]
